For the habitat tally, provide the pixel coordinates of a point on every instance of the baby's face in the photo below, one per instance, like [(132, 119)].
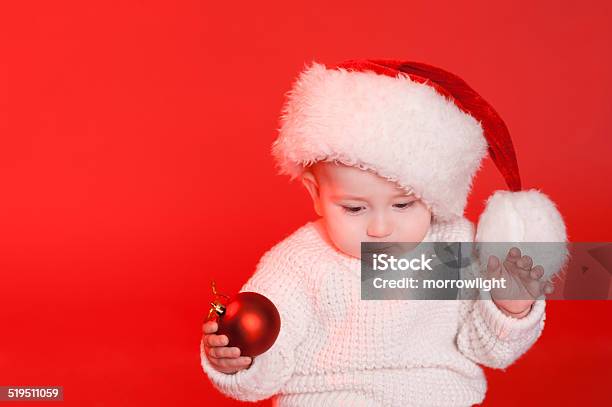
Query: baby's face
[(360, 206)]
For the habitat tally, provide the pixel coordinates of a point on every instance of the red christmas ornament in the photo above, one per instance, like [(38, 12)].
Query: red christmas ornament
[(249, 319)]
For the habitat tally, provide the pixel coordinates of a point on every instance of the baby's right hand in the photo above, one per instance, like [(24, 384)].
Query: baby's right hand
[(222, 358)]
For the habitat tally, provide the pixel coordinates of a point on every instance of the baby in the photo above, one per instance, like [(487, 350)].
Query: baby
[(334, 349)]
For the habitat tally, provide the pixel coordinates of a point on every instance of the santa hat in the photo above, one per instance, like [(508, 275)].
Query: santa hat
[(425, 129)]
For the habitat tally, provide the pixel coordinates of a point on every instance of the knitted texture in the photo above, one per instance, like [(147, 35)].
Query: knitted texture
[(334, 349)]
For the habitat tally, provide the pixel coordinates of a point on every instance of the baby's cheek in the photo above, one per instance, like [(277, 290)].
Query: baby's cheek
[(412, 234), (414, 229), (346, 234)]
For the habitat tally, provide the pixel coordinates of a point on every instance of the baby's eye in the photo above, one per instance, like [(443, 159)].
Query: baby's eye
[(352, 209), (404, 205)]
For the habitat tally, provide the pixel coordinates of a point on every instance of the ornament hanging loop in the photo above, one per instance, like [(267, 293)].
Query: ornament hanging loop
[(217, 307)]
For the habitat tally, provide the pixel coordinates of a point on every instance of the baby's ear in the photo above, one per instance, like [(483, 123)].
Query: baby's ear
[(312, 186)]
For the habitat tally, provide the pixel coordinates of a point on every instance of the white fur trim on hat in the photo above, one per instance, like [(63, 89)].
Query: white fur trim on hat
[(403, 130), (518, 218)]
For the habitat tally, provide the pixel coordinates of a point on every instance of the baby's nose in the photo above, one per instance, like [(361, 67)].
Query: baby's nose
[(379, 227)]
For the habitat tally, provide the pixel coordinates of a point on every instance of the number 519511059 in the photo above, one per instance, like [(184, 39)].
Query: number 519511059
[(32, 393)]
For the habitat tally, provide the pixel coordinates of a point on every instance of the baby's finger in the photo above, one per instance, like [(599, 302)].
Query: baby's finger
[(523, 267), (223, 352), (514, 254), (537, 272), (241, 362), (493, 267), (549, 288), (216, 340), (543, 288), (210, 327), (511, 268), (525, 262)]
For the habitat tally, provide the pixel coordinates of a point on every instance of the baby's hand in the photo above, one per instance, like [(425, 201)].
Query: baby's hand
[(523, 284), (222, 358)]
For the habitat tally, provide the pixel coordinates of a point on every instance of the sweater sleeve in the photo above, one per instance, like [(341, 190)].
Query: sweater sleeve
[(491, 338), (278, 276)]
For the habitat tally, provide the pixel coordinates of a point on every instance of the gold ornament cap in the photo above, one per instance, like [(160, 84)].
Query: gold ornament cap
[(217, 307)]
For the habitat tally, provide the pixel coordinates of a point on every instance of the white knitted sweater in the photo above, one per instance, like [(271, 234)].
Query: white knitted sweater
[(334, 349)]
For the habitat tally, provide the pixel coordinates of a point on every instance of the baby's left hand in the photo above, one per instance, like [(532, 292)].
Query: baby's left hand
[(523, 284)]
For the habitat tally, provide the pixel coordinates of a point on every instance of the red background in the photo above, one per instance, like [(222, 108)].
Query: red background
[(135, 167)]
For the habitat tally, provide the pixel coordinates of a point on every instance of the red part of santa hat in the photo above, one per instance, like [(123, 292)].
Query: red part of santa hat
[(420, 126)]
